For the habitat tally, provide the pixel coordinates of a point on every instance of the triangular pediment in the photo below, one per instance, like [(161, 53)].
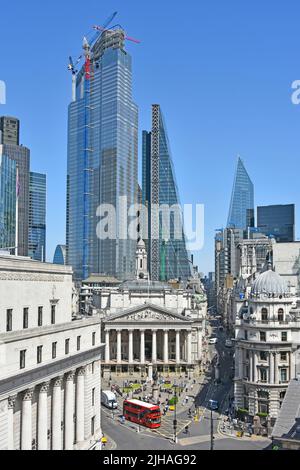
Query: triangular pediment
[(148, 313)]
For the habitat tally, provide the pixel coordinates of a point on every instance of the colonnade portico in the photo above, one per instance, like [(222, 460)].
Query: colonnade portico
[(62, 437), (182, 338)]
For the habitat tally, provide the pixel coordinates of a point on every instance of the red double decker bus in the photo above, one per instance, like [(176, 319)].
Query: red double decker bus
[(145, 414)]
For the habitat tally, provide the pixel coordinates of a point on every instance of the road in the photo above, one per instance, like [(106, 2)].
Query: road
[(126, 436)]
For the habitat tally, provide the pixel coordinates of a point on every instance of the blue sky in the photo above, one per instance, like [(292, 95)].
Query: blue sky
[(222, 72)]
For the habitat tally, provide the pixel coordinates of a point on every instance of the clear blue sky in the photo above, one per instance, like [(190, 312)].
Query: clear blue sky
[(221, 70)]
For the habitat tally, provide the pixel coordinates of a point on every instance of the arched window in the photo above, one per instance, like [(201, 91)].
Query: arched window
[(264, 314), (280, 314)]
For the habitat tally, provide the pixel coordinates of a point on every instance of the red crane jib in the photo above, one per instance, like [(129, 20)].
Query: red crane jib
[(87, 68)]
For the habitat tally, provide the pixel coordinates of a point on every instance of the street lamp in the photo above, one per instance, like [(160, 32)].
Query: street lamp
[(175, 412)]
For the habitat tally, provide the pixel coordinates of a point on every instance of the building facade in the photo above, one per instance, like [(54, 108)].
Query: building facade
[(102, 162), (168, 256), (49, 365), (267, 339), (37, 217), (277, 221), (241, 212), (7, 202)]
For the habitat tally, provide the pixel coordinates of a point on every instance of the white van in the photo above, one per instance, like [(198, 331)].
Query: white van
[(228, 343), (213, 341), (108, 399)]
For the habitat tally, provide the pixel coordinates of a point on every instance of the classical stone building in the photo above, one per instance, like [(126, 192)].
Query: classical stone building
[(267, 331), (50, 372)]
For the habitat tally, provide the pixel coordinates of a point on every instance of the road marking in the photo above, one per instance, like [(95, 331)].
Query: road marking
[(187, 441)]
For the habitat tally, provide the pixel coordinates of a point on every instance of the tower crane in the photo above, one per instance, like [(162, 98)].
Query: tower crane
[(72, 68)]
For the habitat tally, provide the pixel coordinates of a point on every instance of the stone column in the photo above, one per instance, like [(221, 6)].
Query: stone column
[(189, 347), (119, 346), (271, 368), (255, 367), (107, 346), (130, 347), (154, 346), (199, 344), (80, 405), (251, 365), (10, 422), (26, 421), (276, 368), (42, 417), (240, 359), (56, 414), (177, 347), (69, 411), (166, 346), (142, 352)]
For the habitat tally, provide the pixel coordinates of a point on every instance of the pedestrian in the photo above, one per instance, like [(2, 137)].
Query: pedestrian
[(186, 430)]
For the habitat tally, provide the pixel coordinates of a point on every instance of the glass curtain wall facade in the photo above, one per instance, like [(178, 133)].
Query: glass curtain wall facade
[(168, 258), (37, 217), (60, 255), (277, 221), (241, 212), (7, 202), (102, 162)]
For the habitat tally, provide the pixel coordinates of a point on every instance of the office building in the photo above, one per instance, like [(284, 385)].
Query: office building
[(60, 255), (10, 148), (277, 221), (241, 212), (7, 203), (168, 256), (37, 217), (102, 161), (50, 374)]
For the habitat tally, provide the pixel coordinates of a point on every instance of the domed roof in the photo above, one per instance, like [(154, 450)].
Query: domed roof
[(269, 282), (141, 243)]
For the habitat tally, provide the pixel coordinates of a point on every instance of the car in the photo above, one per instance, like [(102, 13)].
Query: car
[(228, 343), (213, 405), (213, 341)]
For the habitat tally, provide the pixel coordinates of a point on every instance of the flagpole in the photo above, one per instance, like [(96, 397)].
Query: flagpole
[(17, 213)]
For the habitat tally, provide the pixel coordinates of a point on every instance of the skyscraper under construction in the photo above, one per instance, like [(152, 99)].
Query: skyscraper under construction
[(102, 158)]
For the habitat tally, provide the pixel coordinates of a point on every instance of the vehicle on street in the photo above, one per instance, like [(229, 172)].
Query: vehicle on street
[(228, 343), (144, 414), (213, 405), (213, 341), (108, 399)]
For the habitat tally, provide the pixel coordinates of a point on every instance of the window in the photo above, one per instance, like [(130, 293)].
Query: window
[(141, 263), (53, 314), (263, 375), (93, 339), (264, 315), (246, 335), (78, 342), (9, 313), (22, 359), (39, 353), (283, 375), (40, 316), (262, 335), (281, 397), (93, 397), (280, 314), (284, 336), (283, 356), (93, 425), (93, 368), (263, 356), (25, 318), (67, 346), (54, 347)]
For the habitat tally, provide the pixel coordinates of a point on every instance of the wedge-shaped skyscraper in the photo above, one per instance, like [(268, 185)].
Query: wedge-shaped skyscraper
[(167, 253), (241, 212)]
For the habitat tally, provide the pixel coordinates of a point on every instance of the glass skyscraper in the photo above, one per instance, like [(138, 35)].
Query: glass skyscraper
[(241, 212), (102, 161), (7, 202), (37, 217), (167, 257), (277, 221), (60, 255)]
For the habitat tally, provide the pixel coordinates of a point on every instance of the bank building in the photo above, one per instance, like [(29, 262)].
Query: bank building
[(148, 325)]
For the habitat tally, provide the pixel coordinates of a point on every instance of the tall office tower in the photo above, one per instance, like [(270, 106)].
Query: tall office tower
[(102, 161), (278, 221), (168, 256), (37, 217), (241, 212), (10, 148), (7, 202), (60, 255)]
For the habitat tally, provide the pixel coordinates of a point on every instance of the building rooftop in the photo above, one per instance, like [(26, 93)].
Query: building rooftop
[(287, 425), (269, 282)]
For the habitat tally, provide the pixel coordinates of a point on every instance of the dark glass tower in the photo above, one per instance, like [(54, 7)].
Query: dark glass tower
[(168, 258), (7, 202), (37, 217), (277, 221), (241, 212), (102, 161)]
